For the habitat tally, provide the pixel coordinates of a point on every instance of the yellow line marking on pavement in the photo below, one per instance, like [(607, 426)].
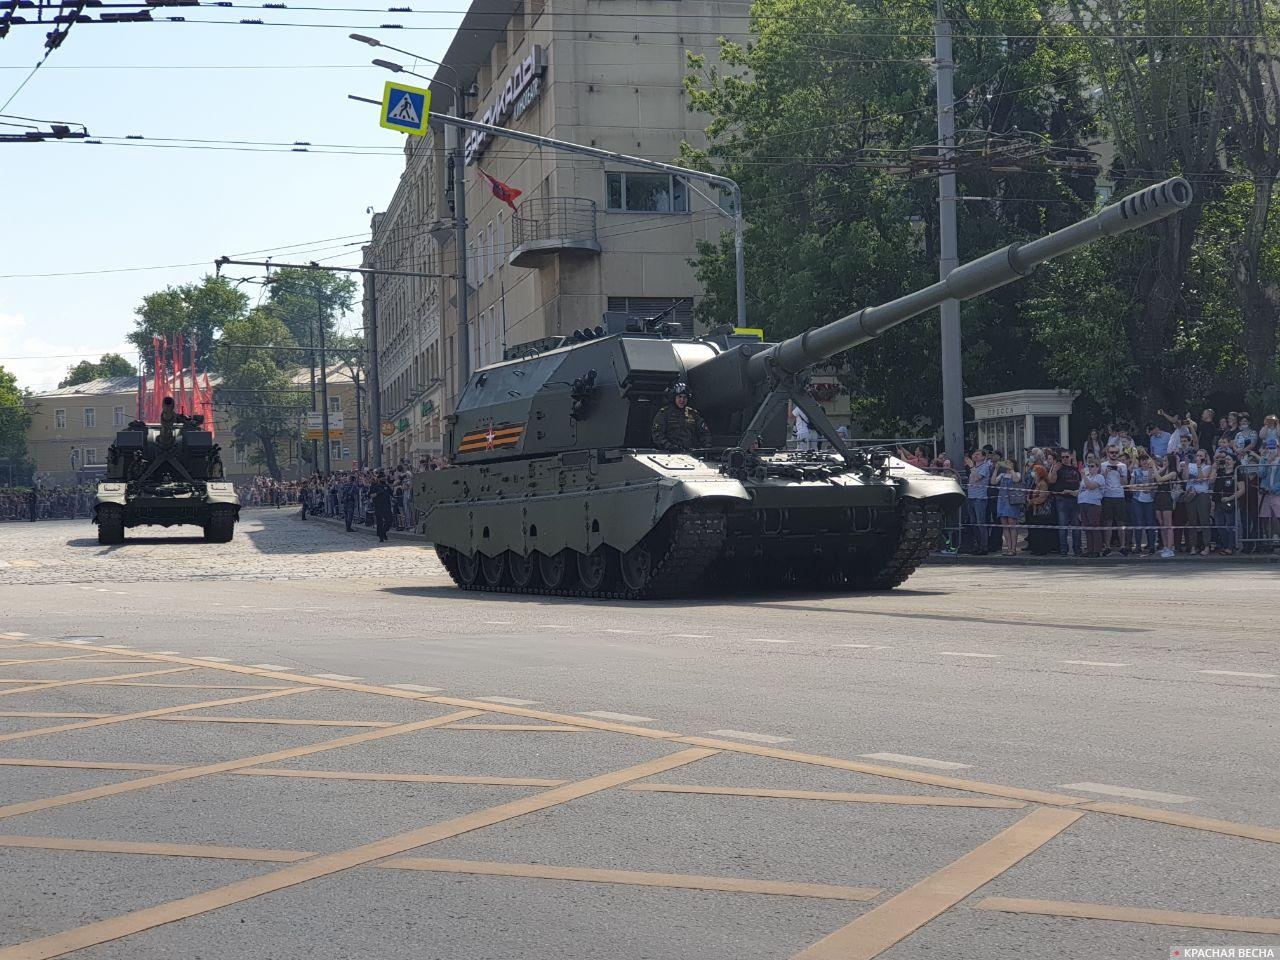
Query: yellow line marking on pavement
[(1099, 911), (400, 777), (49, 684), (1228, 827), (52, 715), (158, 713), (114, 928), (284, 721), (156, 849), (225, 766), (900, 916), (894, 773), (635, 878), (969, 786), (291, 772), (519, 727), (893, 798), (180, 686), (82, 656), (86, 764)]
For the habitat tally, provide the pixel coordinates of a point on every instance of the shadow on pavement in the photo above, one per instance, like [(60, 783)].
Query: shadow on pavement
[(778, 598)]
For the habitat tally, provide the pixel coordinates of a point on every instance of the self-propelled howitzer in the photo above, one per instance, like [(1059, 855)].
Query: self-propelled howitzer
[(556, 485), (165, 473)]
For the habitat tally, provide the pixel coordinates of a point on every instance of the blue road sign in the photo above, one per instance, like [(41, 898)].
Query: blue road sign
[(405, 108)]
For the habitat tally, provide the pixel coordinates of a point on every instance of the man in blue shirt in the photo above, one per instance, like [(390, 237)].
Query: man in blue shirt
[(980, 468), (1158, 441)]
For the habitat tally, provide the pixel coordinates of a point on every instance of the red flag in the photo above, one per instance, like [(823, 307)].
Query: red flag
[(153, 408), (504, 192), (208, 405)]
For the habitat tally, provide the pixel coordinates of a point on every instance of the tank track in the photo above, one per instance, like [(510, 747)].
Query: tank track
[(916, 538), (696, 539)]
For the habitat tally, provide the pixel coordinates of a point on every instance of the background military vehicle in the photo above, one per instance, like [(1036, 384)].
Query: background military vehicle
[(556, 486), (165, 473)]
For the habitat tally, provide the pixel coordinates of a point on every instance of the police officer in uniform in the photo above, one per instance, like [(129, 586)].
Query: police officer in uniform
[(678, 426), (380, 495)]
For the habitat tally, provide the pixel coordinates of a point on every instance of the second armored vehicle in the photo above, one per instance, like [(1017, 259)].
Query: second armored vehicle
[(559, 487), (165, 473)]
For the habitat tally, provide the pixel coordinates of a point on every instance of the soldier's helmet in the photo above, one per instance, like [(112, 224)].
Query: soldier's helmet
[(677, 389)]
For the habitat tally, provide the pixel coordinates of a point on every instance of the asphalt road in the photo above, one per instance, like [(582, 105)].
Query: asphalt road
[(990, 762)]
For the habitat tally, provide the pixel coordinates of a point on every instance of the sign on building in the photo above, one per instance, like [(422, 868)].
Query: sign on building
[(315, 426), (522, 90)]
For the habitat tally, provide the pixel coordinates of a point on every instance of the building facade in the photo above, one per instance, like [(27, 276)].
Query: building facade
[(72, 428), (585, 236)]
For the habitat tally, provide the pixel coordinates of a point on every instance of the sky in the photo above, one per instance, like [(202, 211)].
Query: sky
[(72, 208)]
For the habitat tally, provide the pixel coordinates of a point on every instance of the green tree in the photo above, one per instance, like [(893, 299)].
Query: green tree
[(110, 365), (826, 120), (297, 297), (200, 310), (1162, 84), (257, 383), (15, 418)]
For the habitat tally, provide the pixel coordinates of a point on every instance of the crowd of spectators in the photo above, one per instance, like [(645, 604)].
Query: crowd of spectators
[(46, 503), (1204, 485), (334, 495)]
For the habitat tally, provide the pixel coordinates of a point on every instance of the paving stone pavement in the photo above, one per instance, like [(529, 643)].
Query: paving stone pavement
[(67, 551)]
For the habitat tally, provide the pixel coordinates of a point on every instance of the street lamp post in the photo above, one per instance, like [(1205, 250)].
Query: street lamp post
[(459, 193)]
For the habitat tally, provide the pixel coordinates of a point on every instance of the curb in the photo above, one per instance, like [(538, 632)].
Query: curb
[(1057, 560)]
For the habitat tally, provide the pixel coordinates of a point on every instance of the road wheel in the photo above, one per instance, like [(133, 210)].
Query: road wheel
[(637, 565), (494, 570), (221, 525), (523, 570), (468, 568), (596, 569), (556, 569), (110, 525)]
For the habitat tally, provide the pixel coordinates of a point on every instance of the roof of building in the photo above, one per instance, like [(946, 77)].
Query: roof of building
[(96, 388)]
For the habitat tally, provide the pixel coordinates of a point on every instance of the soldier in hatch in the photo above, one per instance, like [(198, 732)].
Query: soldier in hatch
[(678, 426)]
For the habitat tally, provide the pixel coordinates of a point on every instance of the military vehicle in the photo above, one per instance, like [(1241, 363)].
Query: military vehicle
[(556, 486), (165, 473)]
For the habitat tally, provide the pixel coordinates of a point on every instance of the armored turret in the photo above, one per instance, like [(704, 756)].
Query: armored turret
[(556, 485), (165, 473)]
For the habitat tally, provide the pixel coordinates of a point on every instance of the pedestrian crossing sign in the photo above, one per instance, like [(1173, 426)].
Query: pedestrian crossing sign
[(405, 108)]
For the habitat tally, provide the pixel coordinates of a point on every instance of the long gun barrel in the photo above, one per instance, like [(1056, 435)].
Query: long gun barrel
[(969, 280)]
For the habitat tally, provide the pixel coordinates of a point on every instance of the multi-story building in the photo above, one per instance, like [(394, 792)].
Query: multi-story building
[(72, 427), (585, 236)]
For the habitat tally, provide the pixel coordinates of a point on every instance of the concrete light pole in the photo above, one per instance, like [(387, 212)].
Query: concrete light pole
[(948, 252)]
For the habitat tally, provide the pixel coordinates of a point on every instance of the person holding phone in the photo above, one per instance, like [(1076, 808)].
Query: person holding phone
[(1199, 476), (1089, 498), (1115, 509)]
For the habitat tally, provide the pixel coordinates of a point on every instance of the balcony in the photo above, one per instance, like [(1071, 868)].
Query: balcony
[(553, 225)]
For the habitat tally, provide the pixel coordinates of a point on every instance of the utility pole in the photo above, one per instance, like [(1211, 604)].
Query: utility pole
[(948, 253), (311, 360), (324, 379), (355, 379), (460, 242), (375, 381)]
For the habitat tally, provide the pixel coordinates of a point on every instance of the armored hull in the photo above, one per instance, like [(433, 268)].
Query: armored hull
[(555, 486), (166, 474), (637, 524)]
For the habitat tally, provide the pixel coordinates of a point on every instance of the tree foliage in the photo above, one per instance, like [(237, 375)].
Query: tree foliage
[(827, 119), (199, 311), (298, 297), (257, 384), (110, 365), (15, 418)]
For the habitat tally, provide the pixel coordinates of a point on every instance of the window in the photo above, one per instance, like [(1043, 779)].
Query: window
[(60, 419), (646, 193), (240, 453), (119, 416), (90, 417), (489, 264), (335, 449), (335, 404), (90, 456)]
